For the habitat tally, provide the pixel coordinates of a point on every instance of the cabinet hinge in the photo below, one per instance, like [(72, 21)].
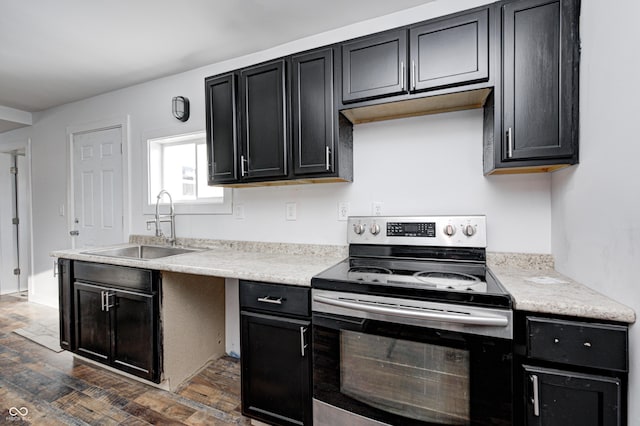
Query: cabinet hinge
[(16, 271), (13, 170), (15, 221)]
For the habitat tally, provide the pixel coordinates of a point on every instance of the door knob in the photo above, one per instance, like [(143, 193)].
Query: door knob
[(74, 233)]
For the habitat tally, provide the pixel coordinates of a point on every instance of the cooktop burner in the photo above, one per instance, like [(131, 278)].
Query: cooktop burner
[(369, 270)]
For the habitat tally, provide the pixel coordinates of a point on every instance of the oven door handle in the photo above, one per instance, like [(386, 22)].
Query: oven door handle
[(488, 320)]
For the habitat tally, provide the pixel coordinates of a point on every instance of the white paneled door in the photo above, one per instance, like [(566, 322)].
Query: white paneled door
[(97, 188)]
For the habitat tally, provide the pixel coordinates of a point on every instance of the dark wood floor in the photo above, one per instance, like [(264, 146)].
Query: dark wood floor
[(58, 389)]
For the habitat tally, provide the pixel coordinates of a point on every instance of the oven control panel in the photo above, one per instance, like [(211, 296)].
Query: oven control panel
[(455, 231)]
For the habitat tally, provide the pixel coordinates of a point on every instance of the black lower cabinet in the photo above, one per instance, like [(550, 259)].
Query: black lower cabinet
[(65, 302), (115, 317), (276, 354), (571, 371), (561, 398)]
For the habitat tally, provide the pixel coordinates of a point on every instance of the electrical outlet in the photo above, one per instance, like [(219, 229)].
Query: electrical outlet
[(238, 211), (291, 211), (376, 208), (343, 211)]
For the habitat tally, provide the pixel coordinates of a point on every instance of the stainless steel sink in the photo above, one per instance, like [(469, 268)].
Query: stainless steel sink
[(140, 252)]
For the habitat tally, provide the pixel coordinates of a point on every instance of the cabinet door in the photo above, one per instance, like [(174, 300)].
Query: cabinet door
[(450, 52), (560, 398), (65, 296), (264, 121), (374, 67), (312, 110), (276, 361), (133, 336), (539, 79), (91, 322), (222, 140)]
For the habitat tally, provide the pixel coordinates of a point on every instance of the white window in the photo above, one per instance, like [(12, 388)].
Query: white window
[(178, 164)]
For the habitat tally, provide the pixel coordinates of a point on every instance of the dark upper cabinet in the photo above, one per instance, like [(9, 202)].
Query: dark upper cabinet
[(374, 66), (264, 120), (450, 52), (438, 54), (222, 128), (283, 125), (537, 126), (312, 108)]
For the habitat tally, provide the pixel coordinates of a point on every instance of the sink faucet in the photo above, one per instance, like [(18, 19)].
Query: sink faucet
[(171, 217)]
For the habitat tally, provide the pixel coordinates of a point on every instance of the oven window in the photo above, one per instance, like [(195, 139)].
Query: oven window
[(415, 380)]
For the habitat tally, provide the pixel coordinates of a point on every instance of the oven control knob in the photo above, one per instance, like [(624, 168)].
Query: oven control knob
[(375, 229), (449, 230), (358, 228), (469, 230)]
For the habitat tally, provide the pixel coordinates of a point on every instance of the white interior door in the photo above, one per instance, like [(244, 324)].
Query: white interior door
[(24, 230), (97, 188), (9, 282)]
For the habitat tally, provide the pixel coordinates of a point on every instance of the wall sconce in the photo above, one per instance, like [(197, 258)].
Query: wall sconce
[(180, 108)]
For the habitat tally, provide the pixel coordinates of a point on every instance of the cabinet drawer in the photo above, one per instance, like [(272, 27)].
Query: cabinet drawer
[(284, 299), (578, 343), (117, 276)]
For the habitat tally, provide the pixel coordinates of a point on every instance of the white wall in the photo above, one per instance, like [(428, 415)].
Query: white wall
[(596, 205)]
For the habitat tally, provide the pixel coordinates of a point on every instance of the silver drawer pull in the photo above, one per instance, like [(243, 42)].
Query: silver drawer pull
[(303, 345), (587, 344), (268, 299)]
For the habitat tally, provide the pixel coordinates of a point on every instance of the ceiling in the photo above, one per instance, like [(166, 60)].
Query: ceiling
[(55, 52)]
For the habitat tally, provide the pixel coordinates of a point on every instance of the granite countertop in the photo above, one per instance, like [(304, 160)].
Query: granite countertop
[(530, 278), (536, 286), (280, 263)]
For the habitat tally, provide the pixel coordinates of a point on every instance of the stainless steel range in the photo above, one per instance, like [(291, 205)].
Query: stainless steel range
[(412, 328)]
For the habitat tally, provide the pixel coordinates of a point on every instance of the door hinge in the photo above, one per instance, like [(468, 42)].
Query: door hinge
[(15, 221), (13, 170), (16, 271)]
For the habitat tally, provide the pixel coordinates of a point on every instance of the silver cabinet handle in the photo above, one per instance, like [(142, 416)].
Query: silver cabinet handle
[(107, 304), (242, 169), (401, 75), (102, 301), (509, 143), (328, 158), (413, 75), (74, 233), (303, 345), (414, 313), (534, 399), (268, 299), (55, 268)]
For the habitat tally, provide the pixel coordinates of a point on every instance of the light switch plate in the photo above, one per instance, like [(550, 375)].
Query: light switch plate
[(343, 211), (376, 208), (291, 212), (238, 211)]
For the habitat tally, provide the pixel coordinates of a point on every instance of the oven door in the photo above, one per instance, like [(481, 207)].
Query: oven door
[(375, 369)]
